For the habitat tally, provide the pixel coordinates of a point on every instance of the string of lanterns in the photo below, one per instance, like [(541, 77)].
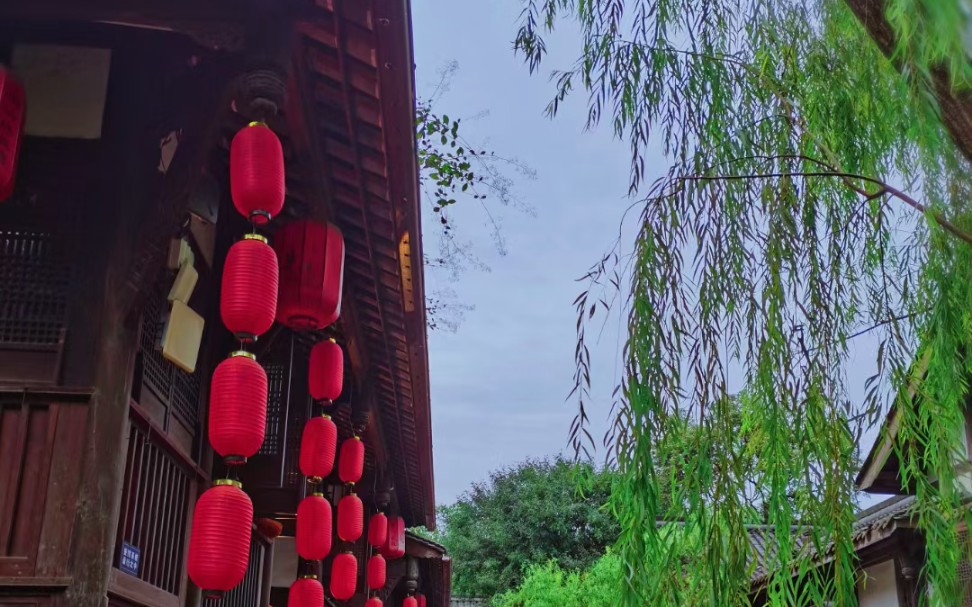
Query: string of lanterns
[(219, 544), (298, 282)]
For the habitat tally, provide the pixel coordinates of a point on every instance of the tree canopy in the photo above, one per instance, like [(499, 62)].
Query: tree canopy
[(524, 515), (812, 194)]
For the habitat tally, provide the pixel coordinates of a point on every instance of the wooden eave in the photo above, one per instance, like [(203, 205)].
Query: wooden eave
[(436, 567), (355, 72), (880, 472), (955, 105)]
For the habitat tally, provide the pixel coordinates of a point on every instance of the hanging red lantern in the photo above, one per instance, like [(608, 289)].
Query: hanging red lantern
[(394, 547), (421, 599), (312, 274), (351, 461), (378, 529), (257, 182), (313, 527), (344, 576), (410, 601), (373, 602), (238, 407), (219, 544), (318, 444), (350, 518), (306, 592), (249, 292), (12, 119), (325, 377), (376, 572)]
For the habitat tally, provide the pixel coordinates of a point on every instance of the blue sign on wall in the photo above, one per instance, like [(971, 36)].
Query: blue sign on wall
[(130, 557)]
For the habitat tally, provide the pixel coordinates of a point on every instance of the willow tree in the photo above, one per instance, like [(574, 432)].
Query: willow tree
[(810, 193)]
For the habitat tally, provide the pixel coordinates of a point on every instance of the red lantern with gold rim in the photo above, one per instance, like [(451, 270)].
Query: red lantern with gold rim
[(313, 527), (257, 180), (325, 377), (238, 407), (219, 544), (377, 572), (344, 576), (351, 460), (378, 529), (350, 518), (318, 444), (311, 274), (306, 592), (249, 292)]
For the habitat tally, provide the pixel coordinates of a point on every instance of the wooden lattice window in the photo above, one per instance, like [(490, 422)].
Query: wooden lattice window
[(155, 501), (35, 278), (176, 391), (292, 475), (276, 400), (965, 572)]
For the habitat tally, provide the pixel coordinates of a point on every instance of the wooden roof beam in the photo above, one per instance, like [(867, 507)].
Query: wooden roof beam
[(955, 105)]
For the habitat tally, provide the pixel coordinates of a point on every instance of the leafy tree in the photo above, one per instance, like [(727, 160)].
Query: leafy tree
[(812, 195), (524, 515)]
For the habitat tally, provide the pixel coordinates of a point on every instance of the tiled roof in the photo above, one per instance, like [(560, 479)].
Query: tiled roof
[(867, 529)]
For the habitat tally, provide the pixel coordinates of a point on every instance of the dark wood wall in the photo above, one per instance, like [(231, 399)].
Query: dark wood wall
[(40, 439), (83, 465)]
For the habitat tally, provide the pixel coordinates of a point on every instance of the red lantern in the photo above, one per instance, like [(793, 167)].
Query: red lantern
[(373, 602), (12, 118), (314, 527), (238, 407), (312, 274), (306, 592), (421, 599), (350, 518), (325, 377), (269, 527), (250, 281), (257, 182), (410, 601), (394, 547), (344, 576), (376, 572), (351, 461), (317, 446), (219, 546), (378, 529)]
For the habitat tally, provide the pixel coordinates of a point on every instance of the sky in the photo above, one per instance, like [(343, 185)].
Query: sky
[(500, 380)]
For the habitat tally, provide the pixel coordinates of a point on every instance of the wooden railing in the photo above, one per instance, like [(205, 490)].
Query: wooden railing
[(159, 487)]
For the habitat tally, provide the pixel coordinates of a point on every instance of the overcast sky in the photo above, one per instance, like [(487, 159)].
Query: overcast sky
[(499, 381)]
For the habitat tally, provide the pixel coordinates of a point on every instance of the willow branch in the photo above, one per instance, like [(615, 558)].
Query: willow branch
[(883, 188), (877, 325)]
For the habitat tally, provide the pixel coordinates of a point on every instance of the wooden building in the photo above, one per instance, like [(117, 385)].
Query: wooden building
[(888, 544), (131, 105)]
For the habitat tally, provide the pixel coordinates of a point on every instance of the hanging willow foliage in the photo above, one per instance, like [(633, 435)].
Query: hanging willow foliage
[(779, 232)]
